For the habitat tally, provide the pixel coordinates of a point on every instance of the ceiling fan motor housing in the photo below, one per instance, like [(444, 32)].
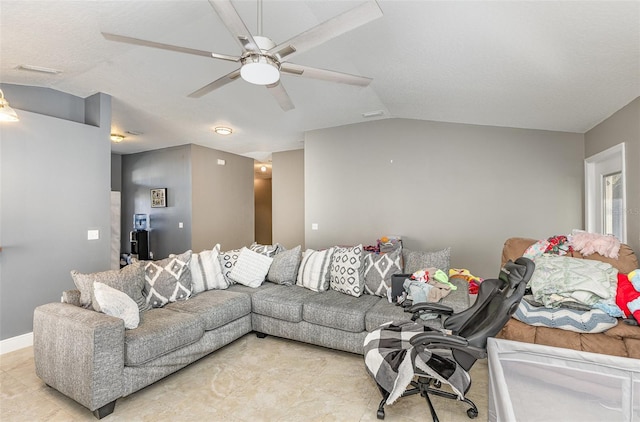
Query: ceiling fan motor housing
[(260, 69)]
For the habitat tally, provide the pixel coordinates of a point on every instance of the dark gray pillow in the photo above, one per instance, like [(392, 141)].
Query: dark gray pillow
[(420, 260), (284, 268), (167, 280), (129, 280)]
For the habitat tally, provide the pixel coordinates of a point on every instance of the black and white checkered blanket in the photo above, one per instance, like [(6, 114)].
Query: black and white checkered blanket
[(390, 359)]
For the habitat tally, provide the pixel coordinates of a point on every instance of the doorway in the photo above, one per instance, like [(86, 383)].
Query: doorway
[(263, 202)]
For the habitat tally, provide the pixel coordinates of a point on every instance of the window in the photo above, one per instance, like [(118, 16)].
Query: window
[(605, 192)]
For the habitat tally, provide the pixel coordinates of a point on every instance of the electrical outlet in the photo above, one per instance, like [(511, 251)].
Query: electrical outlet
[(93, 234), (314, 226), (150, 254)]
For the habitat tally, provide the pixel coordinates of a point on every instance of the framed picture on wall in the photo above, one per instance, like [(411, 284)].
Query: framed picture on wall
[(158, 198)]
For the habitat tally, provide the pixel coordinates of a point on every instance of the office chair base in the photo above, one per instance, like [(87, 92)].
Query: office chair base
[(422, 387)]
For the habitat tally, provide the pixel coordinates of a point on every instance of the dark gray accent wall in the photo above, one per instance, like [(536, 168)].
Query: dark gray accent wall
[(54, 179), (288, 198), (441, 184), (164, 168), (623, 126)]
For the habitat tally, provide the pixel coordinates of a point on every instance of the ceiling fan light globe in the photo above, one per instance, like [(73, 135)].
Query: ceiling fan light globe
[(259, 70)]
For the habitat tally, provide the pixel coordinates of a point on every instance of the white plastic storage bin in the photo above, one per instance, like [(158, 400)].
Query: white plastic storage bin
[(530, 382)]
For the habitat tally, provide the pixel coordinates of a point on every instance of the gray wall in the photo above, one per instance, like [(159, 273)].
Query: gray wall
[(441, 184), (223, 199), (623, 126), (164, 168), (55, 184), (288, 198), (116, 172)]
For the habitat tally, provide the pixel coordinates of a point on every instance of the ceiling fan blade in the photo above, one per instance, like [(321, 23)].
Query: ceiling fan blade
[(280, 94), (220, 82), (235, 24), (161, 46), (327, 30), (324, 75)]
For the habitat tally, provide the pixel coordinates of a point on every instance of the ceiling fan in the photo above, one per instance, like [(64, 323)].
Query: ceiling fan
[(262, 61)]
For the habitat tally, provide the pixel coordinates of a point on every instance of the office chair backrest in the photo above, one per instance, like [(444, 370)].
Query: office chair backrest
[(497, 300)]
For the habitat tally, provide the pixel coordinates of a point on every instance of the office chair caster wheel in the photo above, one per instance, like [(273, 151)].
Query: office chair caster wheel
[(380, 414), (472, 413), (437, 383)]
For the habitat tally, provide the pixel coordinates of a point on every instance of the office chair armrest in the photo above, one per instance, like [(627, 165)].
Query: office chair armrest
[(435, 308), (444, 340)]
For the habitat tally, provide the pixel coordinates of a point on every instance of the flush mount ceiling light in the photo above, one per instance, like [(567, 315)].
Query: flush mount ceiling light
[(263, 169), (223, 130), (7, 114), (117, 138)]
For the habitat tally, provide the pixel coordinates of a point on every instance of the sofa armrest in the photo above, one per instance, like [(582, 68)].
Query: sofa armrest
[(79, 352)]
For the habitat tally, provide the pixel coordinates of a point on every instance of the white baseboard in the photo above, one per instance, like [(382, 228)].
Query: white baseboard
[(16, 343)]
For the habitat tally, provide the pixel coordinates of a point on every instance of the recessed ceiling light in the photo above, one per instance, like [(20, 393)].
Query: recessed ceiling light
[(40, 69), (263, 169), (223, 130), (116, 138)]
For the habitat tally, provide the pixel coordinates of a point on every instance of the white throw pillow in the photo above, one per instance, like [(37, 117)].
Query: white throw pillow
[(206, 272), (251, 268), (113, 302), (314, 270)]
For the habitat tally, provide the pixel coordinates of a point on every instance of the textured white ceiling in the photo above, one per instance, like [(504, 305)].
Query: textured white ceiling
[(550, 65)]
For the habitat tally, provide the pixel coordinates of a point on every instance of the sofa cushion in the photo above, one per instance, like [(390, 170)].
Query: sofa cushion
[(337, 310), (282, 302), (284, 267), (419, 260), (315, 269), (161, 331), (227, 261), (215, 307), (378, 269), (239, 288), (129, 280), (167, 280), (206, 272), (266, 250), (251, 268), (118, 304), (346, 273)]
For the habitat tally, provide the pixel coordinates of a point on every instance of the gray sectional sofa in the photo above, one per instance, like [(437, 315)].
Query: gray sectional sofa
[(91, 358)]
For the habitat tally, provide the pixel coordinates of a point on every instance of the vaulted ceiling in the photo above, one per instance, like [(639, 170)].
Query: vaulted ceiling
[(562, 66)]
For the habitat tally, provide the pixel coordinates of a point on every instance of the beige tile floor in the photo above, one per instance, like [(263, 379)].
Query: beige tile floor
[(252, 379)]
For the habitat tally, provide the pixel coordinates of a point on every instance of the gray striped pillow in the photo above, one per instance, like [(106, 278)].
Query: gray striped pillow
[(206, 272), (593, 321), (315, 269)]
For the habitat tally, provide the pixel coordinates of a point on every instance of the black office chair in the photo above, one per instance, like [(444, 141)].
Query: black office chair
[(401, 351)]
